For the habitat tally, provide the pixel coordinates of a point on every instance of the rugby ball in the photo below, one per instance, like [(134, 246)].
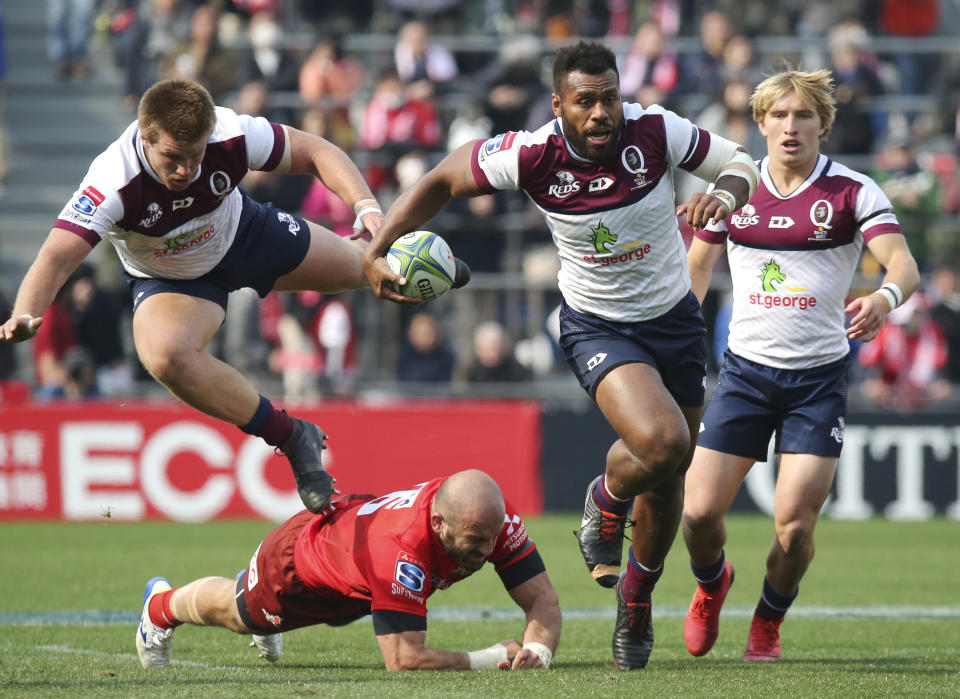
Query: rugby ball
[(427, 263)]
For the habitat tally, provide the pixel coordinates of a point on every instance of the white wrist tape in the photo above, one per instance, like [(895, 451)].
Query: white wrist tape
[(894, 294), (365, 203), (358, 221), (33, 331), (726, 198), (488, 658), (546, 655)]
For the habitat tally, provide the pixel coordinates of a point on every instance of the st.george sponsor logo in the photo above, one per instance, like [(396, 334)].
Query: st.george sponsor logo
[(180, 242), (783, 301), (634, 255)]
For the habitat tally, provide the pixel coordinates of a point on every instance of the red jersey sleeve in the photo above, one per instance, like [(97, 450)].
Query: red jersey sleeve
[(515, 557)]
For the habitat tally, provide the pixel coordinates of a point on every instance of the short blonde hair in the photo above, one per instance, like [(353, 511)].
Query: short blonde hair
[(181, 108), (814, 89)]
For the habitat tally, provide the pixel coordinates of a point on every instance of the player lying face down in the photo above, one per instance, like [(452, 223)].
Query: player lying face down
[(373, 555)]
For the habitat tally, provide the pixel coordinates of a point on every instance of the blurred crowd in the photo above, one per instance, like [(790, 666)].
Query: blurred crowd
[(397, 112)]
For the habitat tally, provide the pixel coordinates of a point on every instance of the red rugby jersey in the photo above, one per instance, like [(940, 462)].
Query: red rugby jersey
[(383, 550)]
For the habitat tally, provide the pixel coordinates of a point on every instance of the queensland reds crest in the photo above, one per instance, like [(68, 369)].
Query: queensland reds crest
[(632, 159), (220, 183), (821, 213)]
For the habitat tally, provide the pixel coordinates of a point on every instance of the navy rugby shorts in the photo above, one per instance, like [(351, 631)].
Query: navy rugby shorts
[(263, 251), (673, 344), (804, 408)]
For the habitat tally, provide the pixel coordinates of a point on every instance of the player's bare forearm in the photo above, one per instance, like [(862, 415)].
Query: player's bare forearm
[(541, 607), (59, 256), (701, 258), (313, 155), (406, 651)]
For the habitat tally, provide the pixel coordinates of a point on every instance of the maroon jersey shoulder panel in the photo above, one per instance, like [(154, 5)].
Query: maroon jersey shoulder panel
[(151, 209), (821, 216), (558, 181)]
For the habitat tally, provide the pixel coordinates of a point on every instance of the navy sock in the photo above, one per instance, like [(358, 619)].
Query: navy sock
[(710, 577), (608, 504), (274, 426), (638, 583), (773, 606)]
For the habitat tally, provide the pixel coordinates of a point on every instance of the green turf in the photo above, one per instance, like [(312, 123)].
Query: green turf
[(55, 569)]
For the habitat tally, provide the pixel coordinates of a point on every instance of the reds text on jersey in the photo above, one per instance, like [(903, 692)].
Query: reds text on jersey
[(792, 258), (173, 235)]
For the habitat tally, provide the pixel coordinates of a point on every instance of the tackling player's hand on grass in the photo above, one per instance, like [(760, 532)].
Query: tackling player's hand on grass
[(20, 328)]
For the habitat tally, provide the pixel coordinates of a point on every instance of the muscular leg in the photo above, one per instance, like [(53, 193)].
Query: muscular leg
[(710, 487), (170, 332), (209, 602), (803, 484), (649, 458), (332, 264)]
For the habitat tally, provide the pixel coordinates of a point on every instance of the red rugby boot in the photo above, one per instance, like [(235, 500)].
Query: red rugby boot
[(702, 624)]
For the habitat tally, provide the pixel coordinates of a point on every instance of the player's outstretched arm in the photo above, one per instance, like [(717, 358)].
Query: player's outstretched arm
[(406, 650), (901, 280), (539, 602), (452, 177), (313, 155), (60, 255)]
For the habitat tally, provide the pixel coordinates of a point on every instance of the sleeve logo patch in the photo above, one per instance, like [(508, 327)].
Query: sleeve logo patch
[(409, 573), (85, 205), (95, 195), (499, 143)]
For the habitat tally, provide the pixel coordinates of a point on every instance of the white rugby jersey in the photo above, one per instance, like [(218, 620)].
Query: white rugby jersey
[(792, 259), (622, 257), (175, 235)]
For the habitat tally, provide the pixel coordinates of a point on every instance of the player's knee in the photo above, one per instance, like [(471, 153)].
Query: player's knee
[(699, 521), (663, 453), (795, 535), (166, 364)]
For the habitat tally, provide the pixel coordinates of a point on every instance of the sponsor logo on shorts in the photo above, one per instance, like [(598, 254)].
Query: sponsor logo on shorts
[(596, 360), (837, 432), (291, 222), (274, 619)]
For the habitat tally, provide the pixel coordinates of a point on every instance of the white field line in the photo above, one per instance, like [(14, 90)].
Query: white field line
[(883, 612), (68, 650)]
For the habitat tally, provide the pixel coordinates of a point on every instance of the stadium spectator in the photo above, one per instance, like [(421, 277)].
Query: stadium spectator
[(906, 359), (425, 356), (512, 84), (945, 289), (913, 190), (54, 338), (739, 61), (79, 378), (648, 63), (855, 129), (631, 328), (792, 254), (69, 27), (3, 110), (202, 57), (329, 74), (912, 18), (97, 315), (704, 67), (157, 26), (421, 61), (187, 236), (268, 60), (373, 555), (493, 360)]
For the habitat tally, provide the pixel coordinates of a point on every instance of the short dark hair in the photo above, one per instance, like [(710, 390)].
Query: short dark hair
[(182, 108), (585, 56)]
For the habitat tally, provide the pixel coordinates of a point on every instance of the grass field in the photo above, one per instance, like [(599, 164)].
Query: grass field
[(878, 614)]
